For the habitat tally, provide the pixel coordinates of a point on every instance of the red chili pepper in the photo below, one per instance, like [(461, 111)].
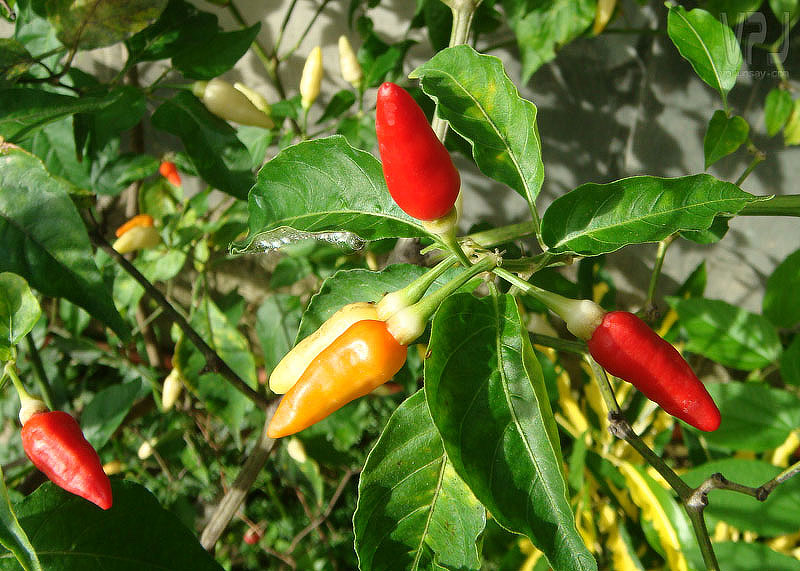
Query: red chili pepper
[(55, 444), (417, 167), (627, 348), (170, 172)]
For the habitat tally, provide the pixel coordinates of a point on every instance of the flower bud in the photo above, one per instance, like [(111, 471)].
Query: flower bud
[(348, 63), (311, 79)]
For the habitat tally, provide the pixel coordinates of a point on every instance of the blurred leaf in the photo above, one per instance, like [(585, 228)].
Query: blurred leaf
[(379, 61), (102, 125), (741, 556), (96, 23), (216, 153), (543, 26), (755, 416), (277, 322), (791, 131), (779, 514), (480, 102), (708, 45), (12, 536), (19, 312), (216, 54), (732, 12), (599, 218), (790, 363), (777, 108), (15, 60), (124, 169), (52, 252), (325, 184), (724, 135), (339, 103), (488, 400), (359, 131), (780, 296), (136, 534), (108, 408), (414, 512), (180, 28), (785, 10), (54, 144), (727, 334)]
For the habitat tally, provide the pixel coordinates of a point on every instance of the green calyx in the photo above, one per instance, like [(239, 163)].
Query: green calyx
[(395, 301)]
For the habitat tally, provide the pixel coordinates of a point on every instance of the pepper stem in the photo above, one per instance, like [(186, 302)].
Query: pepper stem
[(444, 229), (409, 323), (29, 405), (398, 300)]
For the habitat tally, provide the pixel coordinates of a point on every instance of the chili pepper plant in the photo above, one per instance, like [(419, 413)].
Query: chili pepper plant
[(311, 344)]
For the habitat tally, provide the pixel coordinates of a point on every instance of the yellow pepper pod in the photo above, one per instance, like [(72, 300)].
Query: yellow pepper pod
[(137, 238), (292, 366), (348, 63), (226, 102), (311, 79), (362, 358), (173, 386)]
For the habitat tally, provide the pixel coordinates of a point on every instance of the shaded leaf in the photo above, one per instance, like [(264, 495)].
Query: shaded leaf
[(741, 556), (19, 312), (15, 59), (12, 536), (216, 54), (108, 408), (780, 296), (723, 136), (777, 108)]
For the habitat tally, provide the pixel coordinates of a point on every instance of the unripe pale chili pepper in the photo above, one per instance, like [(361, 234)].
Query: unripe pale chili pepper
[(169, 171), (348, 63), (258, 100), (56, 446), (136, 234), (311, 79), (418, 169), (363, 357), (226, 102), (171, 390), (289, 369), (627, 348)]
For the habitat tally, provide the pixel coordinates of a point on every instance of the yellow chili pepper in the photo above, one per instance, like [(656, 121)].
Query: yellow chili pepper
[(136, 234), (359, 360), (311, 79)]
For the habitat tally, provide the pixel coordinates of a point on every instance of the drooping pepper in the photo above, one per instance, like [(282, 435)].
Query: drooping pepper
[(627, 348), (362, 358), (56, 446), (136, 234), (169, 171), (226, 102), (419, 172)]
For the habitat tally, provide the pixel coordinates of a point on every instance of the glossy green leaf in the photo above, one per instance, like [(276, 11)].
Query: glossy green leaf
[(216, 54), (741, 556), (790, 363), (12, 536), (487, 397), (215, 151), (109, 407), (542, 27), (180, 28), (218, 395), (19, 312), (778, 515), (414, 512), (755, 416), (723, 136), (324, 185), (277, 322), (727, 334), (780, 296), (54, 144), (777, 108), (480, 102), (708, 44), (95, 24), (23, 110), (15, 59), (52, 252), (136, 534), (598, 218)]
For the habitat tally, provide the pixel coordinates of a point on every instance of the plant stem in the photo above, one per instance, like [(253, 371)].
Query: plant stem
[(663, 245), (303, 35), (10, 371), (429, 304), (495, 236), (558, 343), (606, 390), (784, 205), (766, 489), (234, 497), (758, 157), (213, 360), (39, 372)]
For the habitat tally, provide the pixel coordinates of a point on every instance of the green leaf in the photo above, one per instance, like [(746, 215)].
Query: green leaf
[(180, 28), (724, 135), (54, 144), (777, 108), (414, 512), (52, 252), (727, 334), (732, 12), (741, 556), (15, 60), (542, 27), (480, 102), (790, 363), (12, 536), (359, 131), (216, 54), (755, 416), (277, 322), (785, 10), (339, 103), (136, 534), (219, 396), (599, 218), (778, 515), (709, 45), (378, 59), (216, 153), (791, 131), (326, 184), (23, 110), (95, 24), (19, 312), (107, 409), (487, 397), (780, 296)]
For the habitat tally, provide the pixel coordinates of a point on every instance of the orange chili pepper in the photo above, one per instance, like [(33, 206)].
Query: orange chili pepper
[(144, 220), (362, 358)]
